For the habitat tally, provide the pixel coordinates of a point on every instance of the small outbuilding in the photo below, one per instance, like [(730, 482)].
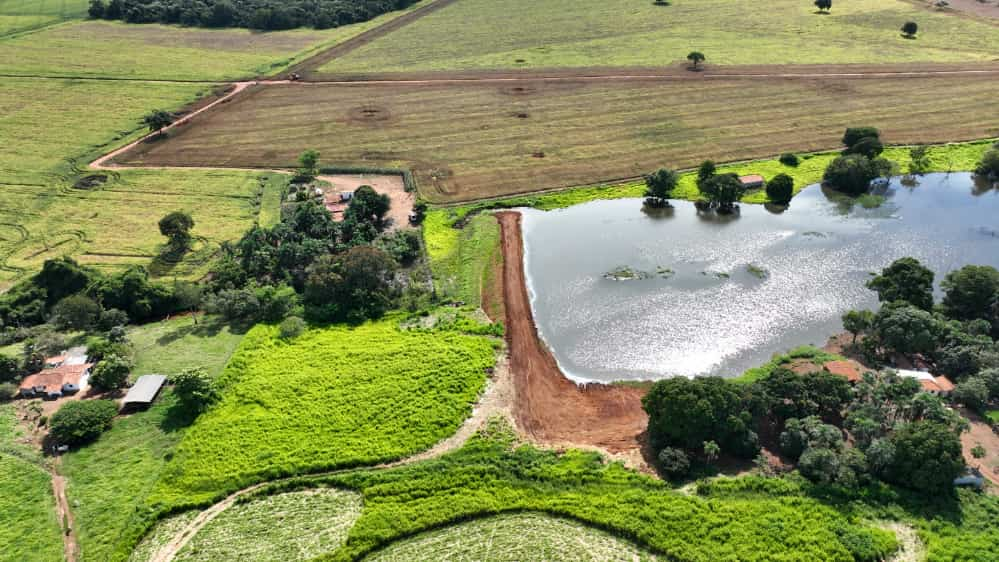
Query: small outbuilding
[(939, 385), (752, 181), (143, 392)]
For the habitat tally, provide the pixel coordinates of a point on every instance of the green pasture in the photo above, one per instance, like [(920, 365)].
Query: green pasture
[(333, 397), (29, 529), (171, 346), (459, 258), (102, 49), (19, 16), (588, 33)]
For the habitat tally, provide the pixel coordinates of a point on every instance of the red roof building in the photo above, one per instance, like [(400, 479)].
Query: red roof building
[(65, 379), (752, 181)]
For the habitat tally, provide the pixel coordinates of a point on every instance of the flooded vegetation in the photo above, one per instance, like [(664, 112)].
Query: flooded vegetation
[(708, 293)]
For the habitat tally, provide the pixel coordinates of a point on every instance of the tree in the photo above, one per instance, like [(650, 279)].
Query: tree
[(989, 165), (80, 421), (188, 296), (723, 191), (973, 393), (870, 147), (96, 9), (308, 163), (112, 318), (706, 171), (674, 462), (687, 412), (658, 187), (823, 5), (919, 159), (906, 329), (111, 373), (354, 286), (157, 120), (910, 28), (905, 279), (177, 226), (10, 369), (819, 464), (799, 435), (789, 159), (291, 327), (235, 305), (858, 322), (970, 291), (76, 312), (711, 451), (696, 57), (780, 189), (194, 388), (927, 457), (367, 206), (852, 173), (853, 135)]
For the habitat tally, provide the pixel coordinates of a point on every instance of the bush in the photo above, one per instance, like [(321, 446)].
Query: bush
[(194, 388), (989, 166), (8, 391), (80, 421), (870, 147), (780, 189), (291, 328), (789, 159), (111, 373), (853, 135), (674, 462)]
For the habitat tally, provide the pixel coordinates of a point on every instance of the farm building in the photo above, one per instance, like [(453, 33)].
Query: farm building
[(939, 385), (752, 181), (55, 382), (143, 392), (848, 369)]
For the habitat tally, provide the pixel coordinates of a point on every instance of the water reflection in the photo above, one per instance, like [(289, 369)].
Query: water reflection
[(721, 293)]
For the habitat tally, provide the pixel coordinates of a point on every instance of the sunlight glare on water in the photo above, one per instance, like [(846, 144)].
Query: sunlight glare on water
[(720, 296)]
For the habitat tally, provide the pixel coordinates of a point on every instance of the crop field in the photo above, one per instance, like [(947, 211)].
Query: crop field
[(486, 140), (488, 476), (333, 397), (17, 16), (160, 535), (519, 536), (279, 528), (28, 526), (550, 34), (160, 52)]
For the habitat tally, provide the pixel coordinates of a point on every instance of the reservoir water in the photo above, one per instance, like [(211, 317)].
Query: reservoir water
[(623, 294)]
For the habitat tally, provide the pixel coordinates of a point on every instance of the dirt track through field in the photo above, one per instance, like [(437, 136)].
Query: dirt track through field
[(550, 408)]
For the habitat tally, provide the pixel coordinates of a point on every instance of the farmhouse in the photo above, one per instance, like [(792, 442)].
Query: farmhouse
[(53, 383), (752, 181), (848, 369), (143, 392), (939, 385)]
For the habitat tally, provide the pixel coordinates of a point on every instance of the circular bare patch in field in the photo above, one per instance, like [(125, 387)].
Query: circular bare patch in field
[(521, 115), (369, 115), (91, 181), (538, 154)]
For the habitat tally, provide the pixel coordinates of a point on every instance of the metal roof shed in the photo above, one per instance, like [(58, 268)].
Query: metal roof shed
[(143, 392)]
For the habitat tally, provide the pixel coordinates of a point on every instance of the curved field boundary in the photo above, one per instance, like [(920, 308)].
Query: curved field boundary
[(496, 400)]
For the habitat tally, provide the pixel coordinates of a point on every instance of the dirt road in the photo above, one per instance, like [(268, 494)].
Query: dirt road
[(64, 514), (550, 408)]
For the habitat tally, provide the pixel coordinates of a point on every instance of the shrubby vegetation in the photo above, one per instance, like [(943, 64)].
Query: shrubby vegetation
[(80, 421), (255, 14)]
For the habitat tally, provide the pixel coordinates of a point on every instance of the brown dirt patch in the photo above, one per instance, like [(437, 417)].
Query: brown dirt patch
[(550, 408), (393, 186), (981, 433)]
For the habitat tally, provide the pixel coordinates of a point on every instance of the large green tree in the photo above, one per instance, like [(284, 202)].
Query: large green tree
[(969, 292), (176, 226), (927, 457), (354, 286), (852, 173), (79, 421), (659, 185), (687, 412), (723, 191), (906, 279), (906, 329)]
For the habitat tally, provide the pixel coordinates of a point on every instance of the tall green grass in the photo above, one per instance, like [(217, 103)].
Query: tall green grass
[(460, 257)]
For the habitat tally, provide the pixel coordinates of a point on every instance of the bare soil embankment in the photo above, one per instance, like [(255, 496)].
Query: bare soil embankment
[(550, 408)]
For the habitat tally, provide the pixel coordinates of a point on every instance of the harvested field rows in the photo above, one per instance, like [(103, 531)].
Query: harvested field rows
[(487, 139), (518, 536)]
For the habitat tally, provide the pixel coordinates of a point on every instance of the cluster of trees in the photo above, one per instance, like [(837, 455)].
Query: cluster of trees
[(860, 163), (900, 434), (956, 335), (254, 14), (720, 192)]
